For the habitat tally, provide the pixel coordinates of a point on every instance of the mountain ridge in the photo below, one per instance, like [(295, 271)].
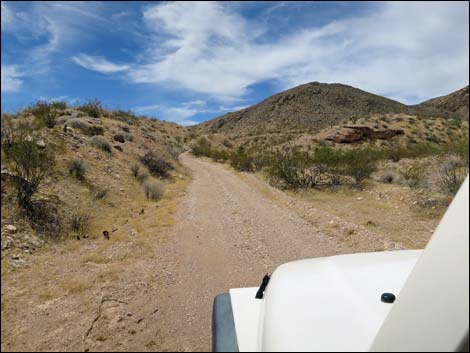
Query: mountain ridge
[(314, 106)]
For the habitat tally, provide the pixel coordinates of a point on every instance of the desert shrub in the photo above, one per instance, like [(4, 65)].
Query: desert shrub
[(220, 155), (77, 169), (293, 168), (414, 175), (79, 223), (92, 108), (8, 132), (32, 165), (412, 150), (47, 219), (201, 148), (139, 174), (390, 177), (154, 190), (101, 143), (128, 137), (227, 143), (175, 150), (242, 161), (58, 105), (156, 164), (78, 123), (135, 169), (43, 113), (119, 138), (142, 176), (460, 148), (358, 163), (452, 174), (125, 116), (125, 128), (94, 130), (433, 138), (100, 194)]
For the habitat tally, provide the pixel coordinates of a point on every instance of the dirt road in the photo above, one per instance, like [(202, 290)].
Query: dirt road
[(230, 229), (229, 235)]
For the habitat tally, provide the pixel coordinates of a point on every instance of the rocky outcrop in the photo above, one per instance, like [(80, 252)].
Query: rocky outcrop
[(351, 134)]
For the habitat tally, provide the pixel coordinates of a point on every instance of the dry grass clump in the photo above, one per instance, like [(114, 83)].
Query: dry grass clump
[(154, 190)]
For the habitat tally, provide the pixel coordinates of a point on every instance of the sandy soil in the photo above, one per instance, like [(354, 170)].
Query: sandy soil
[(230, 229)]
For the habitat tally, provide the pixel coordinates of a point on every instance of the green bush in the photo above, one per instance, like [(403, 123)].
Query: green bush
[(220, 155), (94, 130), (92, 108), (358, 163), (43, 113), (242, 161), (59, 105), (124, 116), (201, 148), (32, 165)]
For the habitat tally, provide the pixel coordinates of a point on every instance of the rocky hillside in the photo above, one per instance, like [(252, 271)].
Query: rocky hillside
[(315, 106), (451, 105), (98, 166)]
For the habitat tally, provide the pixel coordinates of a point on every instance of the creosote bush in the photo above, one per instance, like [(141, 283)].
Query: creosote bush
[(452, 174), (32, 165), (156, 164), (45, 112)]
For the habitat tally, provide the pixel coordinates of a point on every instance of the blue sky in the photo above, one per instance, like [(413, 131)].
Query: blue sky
[(189, 62)]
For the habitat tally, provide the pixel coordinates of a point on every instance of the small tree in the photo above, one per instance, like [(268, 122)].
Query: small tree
[(32, 165)]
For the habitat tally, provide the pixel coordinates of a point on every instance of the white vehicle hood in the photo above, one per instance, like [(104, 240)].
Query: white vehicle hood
[(324, 304)]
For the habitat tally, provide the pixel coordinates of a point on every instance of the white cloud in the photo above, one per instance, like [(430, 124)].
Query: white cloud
[(46, 29), (7, 16), (178, 115), (400, 49), (11, 81), (98, 63)]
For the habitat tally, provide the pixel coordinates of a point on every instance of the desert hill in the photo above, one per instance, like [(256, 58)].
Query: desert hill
[(452, 105), (309, 107)]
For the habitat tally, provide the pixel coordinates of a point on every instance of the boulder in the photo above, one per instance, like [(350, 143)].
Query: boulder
[(350, 134), (41, 143), (11, 228)]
